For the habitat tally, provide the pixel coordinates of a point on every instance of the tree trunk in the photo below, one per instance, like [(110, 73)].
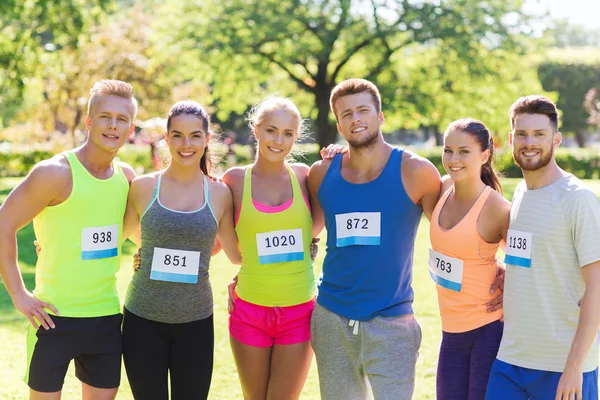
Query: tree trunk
[(439, 140), (580, 138), (326, 131)]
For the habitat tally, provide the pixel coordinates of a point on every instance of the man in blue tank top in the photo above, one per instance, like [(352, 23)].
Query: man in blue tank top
[(371, 199)]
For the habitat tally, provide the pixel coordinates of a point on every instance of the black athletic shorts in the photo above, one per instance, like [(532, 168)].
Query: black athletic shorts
[(94, 344)]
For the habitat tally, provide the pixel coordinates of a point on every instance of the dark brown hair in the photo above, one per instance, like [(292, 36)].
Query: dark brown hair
[(355, 86), (477, 129), (189, 107), (534, 104)]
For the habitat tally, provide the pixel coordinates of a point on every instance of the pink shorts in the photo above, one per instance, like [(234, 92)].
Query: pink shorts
[(261, 326)]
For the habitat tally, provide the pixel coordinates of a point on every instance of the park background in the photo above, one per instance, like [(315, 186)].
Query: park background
[(434, 61)]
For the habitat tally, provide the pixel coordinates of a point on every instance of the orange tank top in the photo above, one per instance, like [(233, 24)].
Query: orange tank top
[(462, 307)]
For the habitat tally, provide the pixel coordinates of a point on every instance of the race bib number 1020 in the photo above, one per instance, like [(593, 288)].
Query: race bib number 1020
[(280, 246)]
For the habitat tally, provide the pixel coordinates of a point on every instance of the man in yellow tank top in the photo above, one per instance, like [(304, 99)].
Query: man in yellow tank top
[(77, 201)]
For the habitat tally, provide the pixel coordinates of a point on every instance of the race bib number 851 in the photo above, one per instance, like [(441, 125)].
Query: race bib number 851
[(172, 265), (360, 228), (99, 242)]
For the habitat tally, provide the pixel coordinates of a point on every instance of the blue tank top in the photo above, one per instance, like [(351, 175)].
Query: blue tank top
[(371, 229)]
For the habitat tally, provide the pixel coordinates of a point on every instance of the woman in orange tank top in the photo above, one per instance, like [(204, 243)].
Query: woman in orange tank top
[(467, 226)]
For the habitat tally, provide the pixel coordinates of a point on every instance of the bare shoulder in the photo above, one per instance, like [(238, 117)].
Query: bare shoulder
[(300, 169), (234, 177), (144, 183), (496, 206), (319, 168), (417, 170), (417, 164), (55, 170), (447, 183), (128, 171), (219, 189)]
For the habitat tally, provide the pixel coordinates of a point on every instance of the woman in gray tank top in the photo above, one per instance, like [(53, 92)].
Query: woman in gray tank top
[(168, 322)]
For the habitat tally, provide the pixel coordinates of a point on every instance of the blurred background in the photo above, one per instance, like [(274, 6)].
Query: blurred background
[(434, 61)]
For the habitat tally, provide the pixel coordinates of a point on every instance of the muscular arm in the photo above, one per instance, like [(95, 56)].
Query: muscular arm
[(421, 180), (313, 181), (41, 188)]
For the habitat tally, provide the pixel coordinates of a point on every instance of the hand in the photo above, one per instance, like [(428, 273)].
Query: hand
[(570, 383), (38, 249), (497, 286), (231, 294), (137, 261), (331, 150), (33, 308), (314, 248)]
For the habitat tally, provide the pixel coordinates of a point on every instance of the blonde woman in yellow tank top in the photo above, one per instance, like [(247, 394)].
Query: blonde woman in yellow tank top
[(271, 309)]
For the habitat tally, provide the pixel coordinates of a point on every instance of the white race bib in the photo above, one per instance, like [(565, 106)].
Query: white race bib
[(518, 248), (359, 228), (280, 246), (175, 265), (446, 271), (99, 242)]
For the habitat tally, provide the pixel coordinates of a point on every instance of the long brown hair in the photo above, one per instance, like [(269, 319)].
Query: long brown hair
[(477, 129), (189, 107)]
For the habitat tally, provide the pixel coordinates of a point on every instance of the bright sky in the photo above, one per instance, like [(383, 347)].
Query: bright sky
[(584, 12)]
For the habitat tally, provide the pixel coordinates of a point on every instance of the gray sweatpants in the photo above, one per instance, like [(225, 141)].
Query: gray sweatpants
[(374, 359)]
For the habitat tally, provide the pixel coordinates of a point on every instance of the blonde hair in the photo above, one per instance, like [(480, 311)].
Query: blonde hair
[(273, 103), (355, 86), (112, 87)]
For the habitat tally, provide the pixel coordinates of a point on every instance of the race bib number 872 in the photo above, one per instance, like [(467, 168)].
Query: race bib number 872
[(359, 228)]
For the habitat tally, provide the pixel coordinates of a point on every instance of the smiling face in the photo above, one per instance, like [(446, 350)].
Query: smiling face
[(110, 122), (462, 157), (187, 139), (358, 119), (276, 134), (533, 139)]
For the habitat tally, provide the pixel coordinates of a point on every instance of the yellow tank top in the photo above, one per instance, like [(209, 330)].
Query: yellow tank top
[(81, 242), (276, 266)]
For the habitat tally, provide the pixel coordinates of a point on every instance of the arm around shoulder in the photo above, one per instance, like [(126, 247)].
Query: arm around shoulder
[(421, 180), (222, 201), (315, 177)]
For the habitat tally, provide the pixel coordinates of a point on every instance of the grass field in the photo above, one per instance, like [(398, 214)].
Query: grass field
[(13, 326)]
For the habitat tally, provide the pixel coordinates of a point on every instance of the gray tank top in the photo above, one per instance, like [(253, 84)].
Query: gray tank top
[(172, 285)]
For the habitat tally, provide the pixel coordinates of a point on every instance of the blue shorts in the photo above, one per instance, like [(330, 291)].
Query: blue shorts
[(508, 381)]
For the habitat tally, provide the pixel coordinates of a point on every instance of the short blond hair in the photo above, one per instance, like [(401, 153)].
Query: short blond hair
[(355, 86), (112, 87)]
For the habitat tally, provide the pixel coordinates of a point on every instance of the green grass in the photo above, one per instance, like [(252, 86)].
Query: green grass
[(13, 326)]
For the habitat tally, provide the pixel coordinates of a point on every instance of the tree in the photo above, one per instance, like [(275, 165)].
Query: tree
[(121, 49), (27, 29), (313, 44), (592, 105), (572, 82), (564, 34)]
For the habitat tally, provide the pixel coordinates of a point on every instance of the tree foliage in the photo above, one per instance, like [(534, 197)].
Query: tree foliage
[(314, 44), (571, 82), (27, 29), (119, 49)]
